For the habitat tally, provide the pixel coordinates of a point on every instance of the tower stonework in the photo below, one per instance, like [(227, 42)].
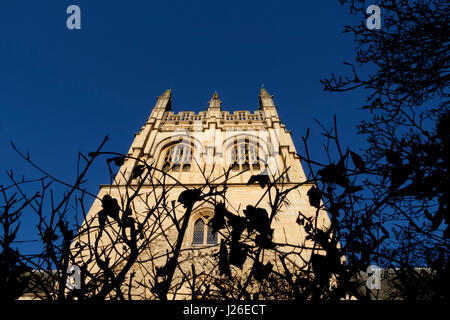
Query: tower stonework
[(194, 150)]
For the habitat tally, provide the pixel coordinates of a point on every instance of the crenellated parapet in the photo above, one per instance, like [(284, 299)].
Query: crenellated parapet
[(188, 117)]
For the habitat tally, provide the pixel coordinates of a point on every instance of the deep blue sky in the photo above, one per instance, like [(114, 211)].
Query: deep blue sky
[(62, 91)]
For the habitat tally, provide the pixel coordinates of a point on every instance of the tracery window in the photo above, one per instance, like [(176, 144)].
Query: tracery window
[(244, 154), (178, 158), (203, 232)]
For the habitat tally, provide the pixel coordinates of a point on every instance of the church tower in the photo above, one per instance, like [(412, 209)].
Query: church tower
[(186, 151)]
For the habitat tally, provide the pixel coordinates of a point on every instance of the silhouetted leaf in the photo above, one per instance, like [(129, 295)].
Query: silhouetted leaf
[(321, 238), (238, 225), (427, 214), (238, 254), (393, 157), (447, 232), (264, 241), (110, 209), (160, 288), (261, 271), (320, 268), (49, 236), (308, 227), (118, 161), (263, 180), (300, 220), (385, 173), (333, 173), (314, 195), (385, 232), (224, 265), (163, 271), (354, 246), (409, 190), (101, 219), (333, 257), (334, 208), (353, 189), (358, 161), (257, 219), (138, 170), (63, 226), (398, 176), (111, 206), (442, 126), (189, 197), (437, 219), (218, 221)]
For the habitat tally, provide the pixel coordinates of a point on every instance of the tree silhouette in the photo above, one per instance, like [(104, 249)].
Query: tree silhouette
[(405, 166)]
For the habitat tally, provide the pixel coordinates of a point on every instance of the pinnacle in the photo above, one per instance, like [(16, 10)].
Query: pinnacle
[(215, 101), (166, 94), (265, 94)]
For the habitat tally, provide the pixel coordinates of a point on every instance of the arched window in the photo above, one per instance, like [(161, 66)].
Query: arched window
[(211, 238), (199, 232), (203, 232), (244, 155), (178, 158)]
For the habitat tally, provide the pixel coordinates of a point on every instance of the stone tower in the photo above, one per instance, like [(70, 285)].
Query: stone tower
[(189, 151)]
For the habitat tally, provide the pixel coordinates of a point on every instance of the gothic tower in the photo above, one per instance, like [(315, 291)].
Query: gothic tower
[(189, 151)]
